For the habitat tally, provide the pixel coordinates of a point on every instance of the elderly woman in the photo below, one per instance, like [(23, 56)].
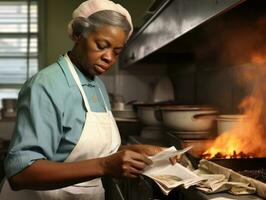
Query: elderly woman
[(66, 138)]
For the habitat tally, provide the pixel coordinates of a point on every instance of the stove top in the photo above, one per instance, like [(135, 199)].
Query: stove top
[(238, 165)]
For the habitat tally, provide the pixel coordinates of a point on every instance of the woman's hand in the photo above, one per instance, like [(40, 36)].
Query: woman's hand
[(147, 150), (173, 160), (125, 163), (49, 175)]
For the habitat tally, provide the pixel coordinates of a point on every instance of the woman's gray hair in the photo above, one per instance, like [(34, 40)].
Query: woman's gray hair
[(81, 26)]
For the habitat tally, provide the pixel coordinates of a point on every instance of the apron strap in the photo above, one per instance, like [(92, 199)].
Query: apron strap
[(104, 102), (77, 80)]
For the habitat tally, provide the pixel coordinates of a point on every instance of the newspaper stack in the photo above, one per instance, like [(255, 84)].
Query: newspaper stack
[(169, 176)]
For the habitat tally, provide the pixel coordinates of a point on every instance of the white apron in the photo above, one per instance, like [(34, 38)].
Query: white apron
[(100, 137)]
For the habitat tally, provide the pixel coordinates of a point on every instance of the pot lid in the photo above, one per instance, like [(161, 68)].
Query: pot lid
[(237, 116), (231, 117), (188, 108), (151, 104)]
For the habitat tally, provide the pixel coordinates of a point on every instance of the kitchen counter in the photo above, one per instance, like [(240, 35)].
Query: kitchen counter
[(181, 193)]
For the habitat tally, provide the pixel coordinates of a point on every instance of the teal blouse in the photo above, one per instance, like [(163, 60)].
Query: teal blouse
[(51, 115)]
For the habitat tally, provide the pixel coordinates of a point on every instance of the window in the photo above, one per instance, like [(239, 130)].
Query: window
[(18, 41)]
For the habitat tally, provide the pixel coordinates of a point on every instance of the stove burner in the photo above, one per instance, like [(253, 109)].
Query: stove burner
[(220, 155), (259, 174)]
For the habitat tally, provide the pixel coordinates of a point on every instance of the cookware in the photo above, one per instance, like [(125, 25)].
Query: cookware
[(117, 101), (192, 135), (124, 114), (9, 103), (188, 117), (120, 109), (9, 107), (228, 122), (163, 90), (149, 113)]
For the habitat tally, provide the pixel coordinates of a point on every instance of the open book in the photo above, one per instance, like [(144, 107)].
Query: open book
[(169, 176)]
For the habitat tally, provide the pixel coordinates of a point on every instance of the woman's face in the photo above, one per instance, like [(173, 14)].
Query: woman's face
[(100, 49)]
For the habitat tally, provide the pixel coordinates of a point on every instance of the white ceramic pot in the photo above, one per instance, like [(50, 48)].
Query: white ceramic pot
[(146, 114), (228, 122), (9, 108), (189, 118), (124, 114)]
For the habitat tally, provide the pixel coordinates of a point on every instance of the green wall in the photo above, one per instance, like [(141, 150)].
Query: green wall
[(57, 14), (136, 8)]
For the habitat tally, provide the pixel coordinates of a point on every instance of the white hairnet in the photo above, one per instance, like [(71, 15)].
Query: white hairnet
[(90, 7)]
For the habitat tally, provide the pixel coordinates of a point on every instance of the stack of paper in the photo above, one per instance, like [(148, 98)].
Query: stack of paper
[(169, 176)]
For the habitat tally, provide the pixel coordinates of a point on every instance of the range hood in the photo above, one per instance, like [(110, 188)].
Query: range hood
[(172, 20)]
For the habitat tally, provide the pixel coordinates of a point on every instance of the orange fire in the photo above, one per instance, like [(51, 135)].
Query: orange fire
[(248, 137)]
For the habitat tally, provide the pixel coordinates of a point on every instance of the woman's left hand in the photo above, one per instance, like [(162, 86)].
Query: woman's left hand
[(147, 150), (150, 150)]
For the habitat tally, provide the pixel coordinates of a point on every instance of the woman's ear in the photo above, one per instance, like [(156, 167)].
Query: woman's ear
[(78, 38)]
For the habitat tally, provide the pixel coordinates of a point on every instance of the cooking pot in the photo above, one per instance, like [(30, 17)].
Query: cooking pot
[(9, 103), (188, 117), (149, 113), (228, 122), (124, 114), (186, 135), (9, 107)]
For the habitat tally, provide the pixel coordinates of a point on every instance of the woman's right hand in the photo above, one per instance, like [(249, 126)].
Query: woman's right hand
[(125, 163)]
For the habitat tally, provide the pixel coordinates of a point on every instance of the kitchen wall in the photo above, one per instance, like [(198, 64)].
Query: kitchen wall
[(56, 40), (137, 82)]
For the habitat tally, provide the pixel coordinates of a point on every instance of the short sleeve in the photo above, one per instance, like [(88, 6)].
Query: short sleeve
[(38, 129)]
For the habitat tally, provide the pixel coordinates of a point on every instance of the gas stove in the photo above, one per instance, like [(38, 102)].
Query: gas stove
[(249, 167)]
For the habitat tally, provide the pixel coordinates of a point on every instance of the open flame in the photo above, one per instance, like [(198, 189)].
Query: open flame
[(247, 139)]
